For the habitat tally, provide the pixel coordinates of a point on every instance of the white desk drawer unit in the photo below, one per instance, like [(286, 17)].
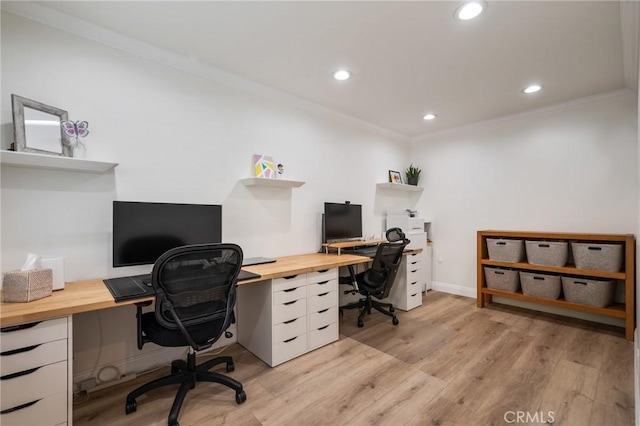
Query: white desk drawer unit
[(35, 370), (290, 317), (406, 293)]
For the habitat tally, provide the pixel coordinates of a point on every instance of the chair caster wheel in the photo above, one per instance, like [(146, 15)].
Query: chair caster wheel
[(395, 321), (230, 367), (392, 309), (360, 323), (241, 397), (131, 407), (228, 334)]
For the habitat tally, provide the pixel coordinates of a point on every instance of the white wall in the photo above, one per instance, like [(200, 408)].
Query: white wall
[(178, 138), (570, 168)]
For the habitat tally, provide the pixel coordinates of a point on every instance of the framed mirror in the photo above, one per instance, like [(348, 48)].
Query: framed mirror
[(37, 128)]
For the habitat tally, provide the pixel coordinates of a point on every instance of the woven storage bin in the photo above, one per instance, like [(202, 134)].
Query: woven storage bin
[(540, 285), (601, 257), (502, 279), (25, 286), (547, 253), (588, 291), (505, 250)]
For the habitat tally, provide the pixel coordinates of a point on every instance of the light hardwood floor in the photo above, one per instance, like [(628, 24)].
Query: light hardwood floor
[(447, 363)]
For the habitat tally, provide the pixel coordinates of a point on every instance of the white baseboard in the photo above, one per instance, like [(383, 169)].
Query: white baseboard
[(454, 289), (636, 371)]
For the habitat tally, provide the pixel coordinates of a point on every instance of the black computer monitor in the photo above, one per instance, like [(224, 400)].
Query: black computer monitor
[(144, 231), (342, 221)]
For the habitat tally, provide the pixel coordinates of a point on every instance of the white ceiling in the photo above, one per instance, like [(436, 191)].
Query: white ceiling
[(407, 58)]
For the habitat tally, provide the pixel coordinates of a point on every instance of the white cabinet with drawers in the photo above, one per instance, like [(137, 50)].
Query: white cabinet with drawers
[(36, 373), (288, 317), (406, 293)]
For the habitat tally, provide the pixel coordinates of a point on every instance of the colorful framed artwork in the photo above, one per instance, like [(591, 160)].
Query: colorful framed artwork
[(263, 166), (395, 177)]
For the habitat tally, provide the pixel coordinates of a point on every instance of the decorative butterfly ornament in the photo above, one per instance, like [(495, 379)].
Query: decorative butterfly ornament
[(75, 129)]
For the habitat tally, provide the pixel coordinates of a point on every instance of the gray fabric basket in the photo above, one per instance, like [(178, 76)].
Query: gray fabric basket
[(502, 279), (549, 253), (540, 285), (590, 292), (600, 257), (505, 250)]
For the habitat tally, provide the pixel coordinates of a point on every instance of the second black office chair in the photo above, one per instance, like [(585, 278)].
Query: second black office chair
[(195, 296), (377, 281)]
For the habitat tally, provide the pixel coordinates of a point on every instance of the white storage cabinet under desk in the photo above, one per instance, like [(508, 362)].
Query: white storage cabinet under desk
[(406, 293), (283, 318), (36, 373)]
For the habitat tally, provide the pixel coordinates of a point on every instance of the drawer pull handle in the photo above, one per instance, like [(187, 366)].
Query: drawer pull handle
[(290, 289), (323, 294), (544, 245), (413, 263), (291, 340), (323, 282), (19, 374), (322, 328), (498, 272), (415, 270), (18, 351), (323, 311), (290, 303), (290, 277), (539, 278), (290, 321), (414, 283), (323, 271), (594, 248), (19, 407), (415, 294), (19, 327), (580, 282), (501, 243)]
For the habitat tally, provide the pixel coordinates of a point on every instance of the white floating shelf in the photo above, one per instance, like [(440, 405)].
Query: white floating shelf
[(274, 183), (400, 187), (53, 162)]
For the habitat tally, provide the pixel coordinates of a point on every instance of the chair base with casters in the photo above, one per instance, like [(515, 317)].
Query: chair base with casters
[(366, 304), (187, 374)]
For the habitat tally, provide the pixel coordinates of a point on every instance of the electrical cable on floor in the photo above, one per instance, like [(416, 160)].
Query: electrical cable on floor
[(109, 367)]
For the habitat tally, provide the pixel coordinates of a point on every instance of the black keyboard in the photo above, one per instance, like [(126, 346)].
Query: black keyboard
[(367, 251), (127, 288)]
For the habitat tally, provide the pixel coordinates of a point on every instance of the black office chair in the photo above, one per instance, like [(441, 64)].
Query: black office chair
[(195, 296), (378, 280)]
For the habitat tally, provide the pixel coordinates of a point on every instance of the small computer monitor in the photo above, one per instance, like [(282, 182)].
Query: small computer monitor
[(342, 221), (144, 231)]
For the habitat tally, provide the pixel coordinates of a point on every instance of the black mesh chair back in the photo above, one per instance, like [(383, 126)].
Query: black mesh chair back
[(194, 285), (380, 277)]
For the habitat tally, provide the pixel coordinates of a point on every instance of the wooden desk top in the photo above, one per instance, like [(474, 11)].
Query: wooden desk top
[(91, 295)]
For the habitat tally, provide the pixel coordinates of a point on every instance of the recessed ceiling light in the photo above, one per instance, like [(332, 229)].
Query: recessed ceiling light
[(429, 117), (532, 89), (342, 75), (470, 10)]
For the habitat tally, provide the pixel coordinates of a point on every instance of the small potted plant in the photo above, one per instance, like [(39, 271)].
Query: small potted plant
[(413, 174)]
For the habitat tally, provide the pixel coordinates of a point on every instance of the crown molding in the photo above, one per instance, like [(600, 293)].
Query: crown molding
[(593, 99), (61, 21)]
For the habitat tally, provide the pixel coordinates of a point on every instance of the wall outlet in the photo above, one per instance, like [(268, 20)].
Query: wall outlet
[(87, 384)]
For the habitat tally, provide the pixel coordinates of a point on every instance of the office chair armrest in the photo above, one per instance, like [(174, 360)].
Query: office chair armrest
[(139, 306)]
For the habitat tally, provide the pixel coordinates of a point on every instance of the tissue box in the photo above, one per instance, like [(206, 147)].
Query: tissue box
[(25, 286)]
